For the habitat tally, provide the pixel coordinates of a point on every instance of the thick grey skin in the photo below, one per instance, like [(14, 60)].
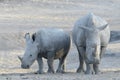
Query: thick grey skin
[(82, 38), (52, 44)]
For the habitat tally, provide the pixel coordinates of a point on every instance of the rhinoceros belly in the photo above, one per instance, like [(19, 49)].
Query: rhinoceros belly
[(59, 54)]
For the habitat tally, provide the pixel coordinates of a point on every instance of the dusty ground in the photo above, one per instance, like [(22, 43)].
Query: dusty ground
[(18, 17)]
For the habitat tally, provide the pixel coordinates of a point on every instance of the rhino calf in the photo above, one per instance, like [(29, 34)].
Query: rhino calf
[(91, 36), (48, 43)]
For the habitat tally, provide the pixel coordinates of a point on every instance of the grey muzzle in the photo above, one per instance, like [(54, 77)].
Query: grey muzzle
[(25, 66)]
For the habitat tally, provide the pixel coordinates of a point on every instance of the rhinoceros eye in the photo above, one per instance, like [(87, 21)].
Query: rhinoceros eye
[(30, 55)]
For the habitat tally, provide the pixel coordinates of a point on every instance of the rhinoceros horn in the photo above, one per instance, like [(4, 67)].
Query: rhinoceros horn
[(20, 58)]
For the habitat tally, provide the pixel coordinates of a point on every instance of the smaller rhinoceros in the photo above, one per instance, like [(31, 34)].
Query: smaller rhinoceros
[(48, 43), (91, 36)]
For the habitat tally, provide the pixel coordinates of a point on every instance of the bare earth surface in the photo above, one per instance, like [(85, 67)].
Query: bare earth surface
[(20, 16)]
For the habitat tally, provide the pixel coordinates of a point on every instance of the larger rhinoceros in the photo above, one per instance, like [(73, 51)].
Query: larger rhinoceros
[(48, 43), (91, 36)]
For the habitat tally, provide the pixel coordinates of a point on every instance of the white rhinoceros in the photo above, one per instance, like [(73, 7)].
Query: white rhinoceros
[(91, 36), (48, 43)]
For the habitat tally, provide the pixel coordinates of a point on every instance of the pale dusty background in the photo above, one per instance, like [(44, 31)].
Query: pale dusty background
[(20, 16)]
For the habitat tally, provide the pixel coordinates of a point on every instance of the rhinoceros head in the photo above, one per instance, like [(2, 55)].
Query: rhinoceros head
[(31, 52), (93, 43)]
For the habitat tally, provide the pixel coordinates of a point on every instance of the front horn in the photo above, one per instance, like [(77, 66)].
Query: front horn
[(20, 58)]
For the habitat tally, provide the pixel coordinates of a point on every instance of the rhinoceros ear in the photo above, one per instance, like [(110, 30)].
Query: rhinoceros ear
[(28, 38), (33, 36), (85, 28), (102, 27), (20, 58)]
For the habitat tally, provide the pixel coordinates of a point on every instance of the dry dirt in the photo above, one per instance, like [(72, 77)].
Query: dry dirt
[(20, 16)]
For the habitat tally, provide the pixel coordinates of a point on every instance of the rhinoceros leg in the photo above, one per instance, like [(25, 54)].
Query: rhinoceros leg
[(81, 52), (89, 69), (64, 66), (40, 63), (50, 60), (96, 68), (61, 67), (103, 49)]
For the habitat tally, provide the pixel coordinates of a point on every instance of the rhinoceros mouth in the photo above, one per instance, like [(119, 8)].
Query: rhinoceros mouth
[(25, 66)]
